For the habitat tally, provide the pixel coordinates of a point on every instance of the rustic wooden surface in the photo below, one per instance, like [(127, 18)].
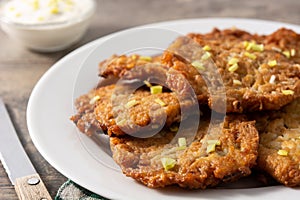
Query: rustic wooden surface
[(20, 69)]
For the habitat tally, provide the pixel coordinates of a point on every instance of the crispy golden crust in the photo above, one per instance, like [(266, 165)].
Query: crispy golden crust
[(116, 66), (254, 86), (249, 88), (195, 168), (85, 119), (132, 114), (280, 131)]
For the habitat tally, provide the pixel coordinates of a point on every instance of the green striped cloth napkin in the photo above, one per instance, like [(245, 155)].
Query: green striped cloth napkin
[(72, 191)]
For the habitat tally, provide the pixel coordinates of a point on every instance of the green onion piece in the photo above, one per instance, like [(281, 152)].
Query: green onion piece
[(182, 142), (211, 147), (160, 102), (272, 63), (233, 61), (282, 152), (134, 56), (168, 163), (198, 65), (205, 56), (287, 92), (250, 55), (206, 48), (131, 103), (94, 99), (293, 52), (147, 83), (233, 68), (157, 89), (257, 47), (237, 82), (253, 46), (249, 46), (246, 43), (146, 58), (287, 54)]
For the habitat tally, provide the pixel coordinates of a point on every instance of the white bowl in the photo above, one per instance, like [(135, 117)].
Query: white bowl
[(49, 37)]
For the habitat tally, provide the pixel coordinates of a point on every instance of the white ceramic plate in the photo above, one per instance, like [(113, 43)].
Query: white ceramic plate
[(77, 157)]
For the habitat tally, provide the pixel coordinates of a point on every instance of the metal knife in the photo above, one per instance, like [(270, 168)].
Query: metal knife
[(21, 172)]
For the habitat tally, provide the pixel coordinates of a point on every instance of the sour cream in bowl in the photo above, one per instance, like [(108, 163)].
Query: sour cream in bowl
[(46, 25)]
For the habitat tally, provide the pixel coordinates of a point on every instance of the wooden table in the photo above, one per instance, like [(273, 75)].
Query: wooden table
[(20, 69)]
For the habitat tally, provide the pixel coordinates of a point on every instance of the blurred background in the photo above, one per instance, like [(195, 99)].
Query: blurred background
[(113, 15)]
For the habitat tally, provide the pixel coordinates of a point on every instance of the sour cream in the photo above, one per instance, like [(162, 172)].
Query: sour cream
[(46, 25), (45, 11)]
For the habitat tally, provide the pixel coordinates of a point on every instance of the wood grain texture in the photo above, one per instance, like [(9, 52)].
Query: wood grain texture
[(20, 69), (35, 191)]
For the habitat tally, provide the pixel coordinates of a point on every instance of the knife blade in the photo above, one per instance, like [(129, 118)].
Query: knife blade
[(18, 166)]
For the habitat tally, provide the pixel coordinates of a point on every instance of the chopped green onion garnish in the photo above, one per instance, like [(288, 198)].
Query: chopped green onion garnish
[(160, 102), (206, 48), (233, 68), (147, 83), (197, 64), (249, 46), (272, 63), (94, 99), (257, 47), (168, 163), (157, 89), (282, 152), (182, 142), (287, 54), (287, 92), (233, 61), (205, 56), (245, 43), (211, 147), (293, 52), (237, 82), (131, 103), (146, 58), (250, 55), (253, 46), (134, 57)]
